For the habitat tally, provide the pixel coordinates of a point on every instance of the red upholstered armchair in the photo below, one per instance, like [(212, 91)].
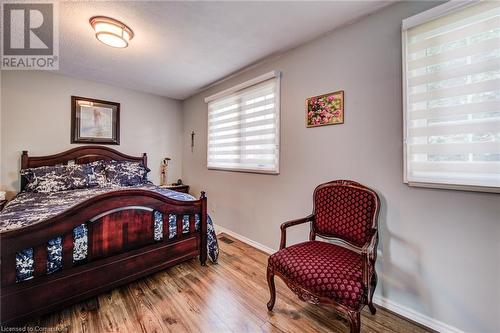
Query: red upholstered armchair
[(342, 273)]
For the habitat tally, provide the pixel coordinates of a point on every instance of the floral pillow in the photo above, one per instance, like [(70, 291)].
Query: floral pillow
[(57, 178), (97, 173), (125, 173)]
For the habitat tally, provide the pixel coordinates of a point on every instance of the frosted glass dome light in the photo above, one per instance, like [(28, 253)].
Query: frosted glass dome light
[(111, 32)]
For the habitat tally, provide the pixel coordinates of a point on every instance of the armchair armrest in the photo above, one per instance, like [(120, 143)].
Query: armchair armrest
[(369, 255), (369, 249), (291, 224)]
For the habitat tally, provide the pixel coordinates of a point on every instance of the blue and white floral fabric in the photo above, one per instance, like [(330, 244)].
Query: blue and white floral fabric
[(29, 208), (97, 173), (125, 173), (58, 178)]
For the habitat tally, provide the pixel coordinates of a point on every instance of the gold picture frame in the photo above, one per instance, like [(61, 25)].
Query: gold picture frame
[(326, 109)]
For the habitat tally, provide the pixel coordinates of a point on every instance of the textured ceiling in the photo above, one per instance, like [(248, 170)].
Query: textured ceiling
[(180, 47)]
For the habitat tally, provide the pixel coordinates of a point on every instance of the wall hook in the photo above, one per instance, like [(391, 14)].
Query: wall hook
[(192, 141)]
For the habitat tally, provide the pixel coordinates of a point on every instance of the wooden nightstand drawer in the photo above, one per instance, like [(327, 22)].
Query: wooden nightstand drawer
[(179, 188)]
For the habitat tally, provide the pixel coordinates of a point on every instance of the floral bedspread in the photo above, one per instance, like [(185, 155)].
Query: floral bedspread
[(30, 208)]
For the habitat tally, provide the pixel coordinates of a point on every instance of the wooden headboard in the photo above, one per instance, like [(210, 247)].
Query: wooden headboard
[(82, 154)]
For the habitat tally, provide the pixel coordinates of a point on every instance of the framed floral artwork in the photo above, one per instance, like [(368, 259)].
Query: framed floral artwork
[(327, 109)]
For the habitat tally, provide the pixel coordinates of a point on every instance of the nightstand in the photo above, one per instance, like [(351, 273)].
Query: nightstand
[(2, 204), (179, 188)]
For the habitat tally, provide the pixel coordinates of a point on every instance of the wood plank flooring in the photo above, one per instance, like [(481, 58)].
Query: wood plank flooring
[(228, 297)]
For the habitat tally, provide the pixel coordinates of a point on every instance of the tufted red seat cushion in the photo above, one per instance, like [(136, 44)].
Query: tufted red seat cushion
[(323, 269)]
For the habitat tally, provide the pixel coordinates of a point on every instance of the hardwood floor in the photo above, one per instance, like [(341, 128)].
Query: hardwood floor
[(228, 297)]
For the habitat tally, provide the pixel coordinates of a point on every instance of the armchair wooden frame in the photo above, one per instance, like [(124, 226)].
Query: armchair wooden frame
[(368, 252)]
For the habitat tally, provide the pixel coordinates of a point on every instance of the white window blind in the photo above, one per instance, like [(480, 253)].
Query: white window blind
[(243, 127), (451, 62)]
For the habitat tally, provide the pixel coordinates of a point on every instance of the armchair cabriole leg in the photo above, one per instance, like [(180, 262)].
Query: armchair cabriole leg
[(272, 289), (373, 310), (373, 283), (354, 318)]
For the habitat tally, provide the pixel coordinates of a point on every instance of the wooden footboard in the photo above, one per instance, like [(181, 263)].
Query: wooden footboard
[(121, 247)]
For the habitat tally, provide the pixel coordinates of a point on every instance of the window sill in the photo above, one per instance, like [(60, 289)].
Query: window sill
[(245, 171), (470, 188)]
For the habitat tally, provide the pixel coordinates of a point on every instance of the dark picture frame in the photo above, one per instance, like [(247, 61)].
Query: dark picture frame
[(94, 121)]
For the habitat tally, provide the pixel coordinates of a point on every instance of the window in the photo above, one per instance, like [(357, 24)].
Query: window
[(451, 85), (243, 126)]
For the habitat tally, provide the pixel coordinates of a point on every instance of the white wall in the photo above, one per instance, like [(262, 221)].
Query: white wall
[(36, 113), (440, 252)]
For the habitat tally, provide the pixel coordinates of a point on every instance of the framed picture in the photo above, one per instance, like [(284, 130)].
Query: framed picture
[(94, 121), (327, 109)]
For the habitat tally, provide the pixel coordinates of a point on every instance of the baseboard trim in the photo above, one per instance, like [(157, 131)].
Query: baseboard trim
[(220, 229), (415, 316), (397, 308)]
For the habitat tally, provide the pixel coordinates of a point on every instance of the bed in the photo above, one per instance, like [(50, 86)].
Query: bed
[(61, 247)]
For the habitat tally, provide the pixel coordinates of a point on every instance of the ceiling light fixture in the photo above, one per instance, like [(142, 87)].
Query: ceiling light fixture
[(111, 32)]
